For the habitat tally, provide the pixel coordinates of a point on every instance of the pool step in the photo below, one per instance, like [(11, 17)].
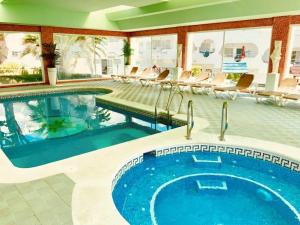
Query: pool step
[(212, 185), (165, 118), (207, 161)]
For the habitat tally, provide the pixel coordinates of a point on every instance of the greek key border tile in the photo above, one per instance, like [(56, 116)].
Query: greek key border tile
[(125, 168), (243, 151)]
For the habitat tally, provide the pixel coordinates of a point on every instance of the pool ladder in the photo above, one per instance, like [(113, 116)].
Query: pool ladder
[(190, 120), (173, 91), (224, 121)]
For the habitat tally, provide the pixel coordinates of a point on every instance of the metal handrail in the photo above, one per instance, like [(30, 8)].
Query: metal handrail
[(173, 91), (224, 121), (156, 104), (170, 93), (158, 98), (190, 120), (176, 91)]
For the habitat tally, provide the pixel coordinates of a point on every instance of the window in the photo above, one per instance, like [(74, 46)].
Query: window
[(231, 51), (164, 50), (142, 52), (154, 50), (206, 51), (294, 58), (20, 60), (250, 52), (85, 57)]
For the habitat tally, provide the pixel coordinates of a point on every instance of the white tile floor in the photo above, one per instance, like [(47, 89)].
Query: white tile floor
[(246, 117), (42, 202), (48, 201)]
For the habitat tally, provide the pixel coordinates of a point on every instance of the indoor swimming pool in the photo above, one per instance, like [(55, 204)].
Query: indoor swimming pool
[(36, 130)]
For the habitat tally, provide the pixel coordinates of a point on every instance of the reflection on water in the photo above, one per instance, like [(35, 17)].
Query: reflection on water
[(27, 120), (39, 130)]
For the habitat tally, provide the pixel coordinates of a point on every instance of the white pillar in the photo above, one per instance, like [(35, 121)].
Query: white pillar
[(272, 81)]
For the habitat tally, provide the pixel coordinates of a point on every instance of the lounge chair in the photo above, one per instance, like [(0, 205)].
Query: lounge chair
[(284, 92), (185, 76), (145, 73), (155, 80), (132, 73), (232, 92), (193, 81), (295, 97), (206, 87)]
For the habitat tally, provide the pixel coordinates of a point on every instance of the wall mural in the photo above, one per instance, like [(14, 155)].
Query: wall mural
[(20, 60), (207, 47), (231, 51), (84, 57)]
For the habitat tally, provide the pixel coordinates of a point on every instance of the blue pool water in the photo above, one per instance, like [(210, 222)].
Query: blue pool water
[(39, 130), (176, 190)]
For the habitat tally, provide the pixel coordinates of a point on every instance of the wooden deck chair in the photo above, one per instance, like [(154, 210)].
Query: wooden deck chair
[(206, 87), (243, 84), (128, 78), (132, 73), (185, 76), (155, 80), (286, 88), (202, 77)]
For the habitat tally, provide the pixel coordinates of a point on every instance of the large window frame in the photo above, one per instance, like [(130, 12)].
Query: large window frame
[(190, 45), (288, 63), (151, 47), (94, 58), (41, 60)]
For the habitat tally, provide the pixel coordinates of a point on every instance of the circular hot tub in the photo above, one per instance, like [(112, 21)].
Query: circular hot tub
[(208, 188)]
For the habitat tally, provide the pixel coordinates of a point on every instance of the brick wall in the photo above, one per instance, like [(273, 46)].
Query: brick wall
[(281, 28)]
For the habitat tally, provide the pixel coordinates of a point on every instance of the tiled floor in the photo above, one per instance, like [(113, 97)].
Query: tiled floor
[(246, 117), (48, 201), (41, 202)]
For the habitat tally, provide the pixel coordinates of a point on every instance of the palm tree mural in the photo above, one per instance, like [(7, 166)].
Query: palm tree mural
[(3, 48), (75, 48), (15, 67), (31, 45), (72, 49)]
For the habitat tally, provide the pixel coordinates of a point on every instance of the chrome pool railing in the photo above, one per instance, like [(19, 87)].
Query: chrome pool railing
[(175, 91), (224, 121), (172, 92), (190, 120), (156, 104)]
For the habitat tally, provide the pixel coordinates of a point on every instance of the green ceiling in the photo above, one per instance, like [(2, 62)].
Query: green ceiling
[(140, 14)]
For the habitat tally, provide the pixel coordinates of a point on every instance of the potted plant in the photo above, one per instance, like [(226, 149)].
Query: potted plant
[(51, 55), (127, 52)]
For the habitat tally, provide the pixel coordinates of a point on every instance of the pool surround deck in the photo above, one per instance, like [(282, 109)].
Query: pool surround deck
[(95, 172)]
